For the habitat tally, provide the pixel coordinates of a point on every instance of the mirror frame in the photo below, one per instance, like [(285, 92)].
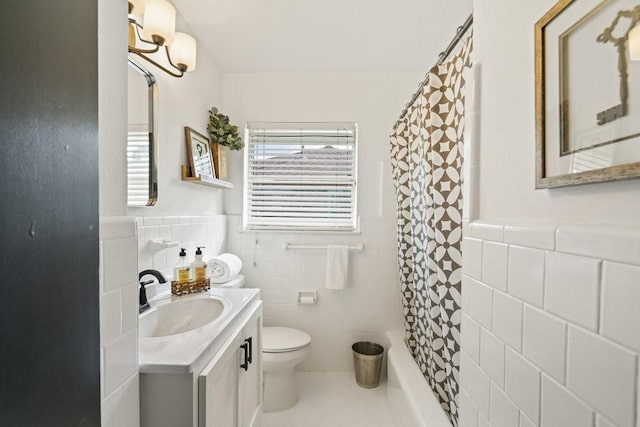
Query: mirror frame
[(153, 134)]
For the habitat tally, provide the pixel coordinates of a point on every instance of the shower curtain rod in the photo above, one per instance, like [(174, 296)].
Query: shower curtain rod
[(441, 58)]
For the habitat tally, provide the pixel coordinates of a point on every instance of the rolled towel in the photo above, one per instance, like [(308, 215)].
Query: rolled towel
[(224, 267)]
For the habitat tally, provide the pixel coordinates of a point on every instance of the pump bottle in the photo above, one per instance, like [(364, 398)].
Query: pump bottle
[(182, 272), (198, 266)]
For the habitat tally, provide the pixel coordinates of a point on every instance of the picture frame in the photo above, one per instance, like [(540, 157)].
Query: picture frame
[(200, 155), (587, 108)]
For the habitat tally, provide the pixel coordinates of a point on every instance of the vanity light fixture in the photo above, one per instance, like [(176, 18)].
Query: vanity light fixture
[(152, 26)]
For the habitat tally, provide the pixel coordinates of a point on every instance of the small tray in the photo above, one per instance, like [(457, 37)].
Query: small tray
[(190, 287)]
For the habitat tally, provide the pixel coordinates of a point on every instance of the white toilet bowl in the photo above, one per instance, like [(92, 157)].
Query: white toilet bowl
[(282, 350)]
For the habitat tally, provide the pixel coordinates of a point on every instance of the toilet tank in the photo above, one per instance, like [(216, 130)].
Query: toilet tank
[(236, 282)]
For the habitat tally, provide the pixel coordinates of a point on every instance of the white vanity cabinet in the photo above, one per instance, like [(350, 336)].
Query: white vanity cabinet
[(229, 386), (205, 379)]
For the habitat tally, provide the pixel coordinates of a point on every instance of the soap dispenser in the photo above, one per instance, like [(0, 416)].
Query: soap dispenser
[(198, 266), (182, 270)]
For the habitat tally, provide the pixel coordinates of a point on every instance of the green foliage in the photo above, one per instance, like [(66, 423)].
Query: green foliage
[(222, 131)]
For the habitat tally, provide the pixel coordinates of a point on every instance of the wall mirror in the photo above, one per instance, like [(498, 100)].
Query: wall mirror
[(142, 137)]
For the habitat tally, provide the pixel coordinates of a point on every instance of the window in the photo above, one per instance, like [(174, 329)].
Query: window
[(300, 176), (138, 168)]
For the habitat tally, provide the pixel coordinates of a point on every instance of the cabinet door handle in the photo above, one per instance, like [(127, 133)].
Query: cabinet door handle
[(250, 342), (245, 364)]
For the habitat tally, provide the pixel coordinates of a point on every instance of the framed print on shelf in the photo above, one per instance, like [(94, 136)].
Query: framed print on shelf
[(587, 71), (200, 156)]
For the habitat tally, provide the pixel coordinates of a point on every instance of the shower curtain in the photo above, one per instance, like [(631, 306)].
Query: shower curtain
[(426, 159)]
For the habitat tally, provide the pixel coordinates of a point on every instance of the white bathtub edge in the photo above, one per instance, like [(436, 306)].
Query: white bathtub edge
[(411, 399)]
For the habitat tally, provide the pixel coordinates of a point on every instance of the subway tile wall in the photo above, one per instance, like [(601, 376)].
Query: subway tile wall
[(119, 322), (187, 231), (550, 326), (124, 251), (368, 307)]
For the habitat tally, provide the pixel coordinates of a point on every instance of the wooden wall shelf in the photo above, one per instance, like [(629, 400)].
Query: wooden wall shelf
[(216, 183)]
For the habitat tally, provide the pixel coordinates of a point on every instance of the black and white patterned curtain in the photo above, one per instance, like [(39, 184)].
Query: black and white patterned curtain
[(426, 158)]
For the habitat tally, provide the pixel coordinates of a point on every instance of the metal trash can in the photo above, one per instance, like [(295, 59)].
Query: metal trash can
[(367, 361)]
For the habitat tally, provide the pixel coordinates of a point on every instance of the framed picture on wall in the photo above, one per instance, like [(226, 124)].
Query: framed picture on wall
[(587, 56), (200, 156)]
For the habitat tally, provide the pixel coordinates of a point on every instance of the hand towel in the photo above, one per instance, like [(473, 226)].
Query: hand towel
[(224, 267), (337, 266)]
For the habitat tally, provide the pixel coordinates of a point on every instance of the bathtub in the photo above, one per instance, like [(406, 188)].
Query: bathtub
[(412, 401)]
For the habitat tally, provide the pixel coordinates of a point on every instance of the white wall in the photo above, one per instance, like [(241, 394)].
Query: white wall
[(371, 305), (545, 336), (118, 281), (112, 106), (181, 102), (184, 102), (504, 53)]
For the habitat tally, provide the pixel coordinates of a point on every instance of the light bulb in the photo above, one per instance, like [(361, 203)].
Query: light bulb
[(137, 7), (183, 52), (634, 43), (159, 22)]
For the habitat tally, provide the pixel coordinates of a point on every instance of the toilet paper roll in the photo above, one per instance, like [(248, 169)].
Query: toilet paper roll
[(307, 300)]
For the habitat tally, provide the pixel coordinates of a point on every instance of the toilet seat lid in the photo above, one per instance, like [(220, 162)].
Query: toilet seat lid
[(276, 339)]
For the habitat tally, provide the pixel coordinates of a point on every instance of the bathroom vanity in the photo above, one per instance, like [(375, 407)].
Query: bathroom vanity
[(201, 359)]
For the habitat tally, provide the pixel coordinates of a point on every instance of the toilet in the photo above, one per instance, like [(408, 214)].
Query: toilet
[(282, 350), (236, 282)]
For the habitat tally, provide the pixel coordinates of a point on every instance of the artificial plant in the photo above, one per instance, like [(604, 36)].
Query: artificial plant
[(222, 131)]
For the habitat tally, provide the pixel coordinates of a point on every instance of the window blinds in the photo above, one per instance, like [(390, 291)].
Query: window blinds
[(300, 176), (137, 168)]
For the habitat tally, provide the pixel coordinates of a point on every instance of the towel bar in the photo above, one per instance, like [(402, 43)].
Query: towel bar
[(288, 246)]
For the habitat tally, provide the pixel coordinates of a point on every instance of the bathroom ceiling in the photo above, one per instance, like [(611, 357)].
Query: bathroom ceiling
[(323, 35)]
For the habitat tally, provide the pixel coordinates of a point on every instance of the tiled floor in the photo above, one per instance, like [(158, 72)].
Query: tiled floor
[(333, 399)]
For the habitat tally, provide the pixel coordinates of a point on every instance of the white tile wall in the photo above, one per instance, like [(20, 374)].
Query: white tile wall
[(561, 408), (620, 304), (187, 231), (607, 242), (545, 341), (119, 322), (482, 421), (603, 422), (504, 413), (567, 323), (523, 384), (468, 416), (477, 301), (471, 337), (369, 306), (507, 319), (487, 231), (472, 250), (476, 383), (120, 361), (525, 422), (540, 236), (526, 274), (572, 288), (494, 265), (599, 372), (492, 356)]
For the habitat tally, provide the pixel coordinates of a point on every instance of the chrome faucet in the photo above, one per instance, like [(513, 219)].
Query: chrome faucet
[(143, 302)]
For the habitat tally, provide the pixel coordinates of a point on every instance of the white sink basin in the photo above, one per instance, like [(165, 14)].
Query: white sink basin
[(179, 315)]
